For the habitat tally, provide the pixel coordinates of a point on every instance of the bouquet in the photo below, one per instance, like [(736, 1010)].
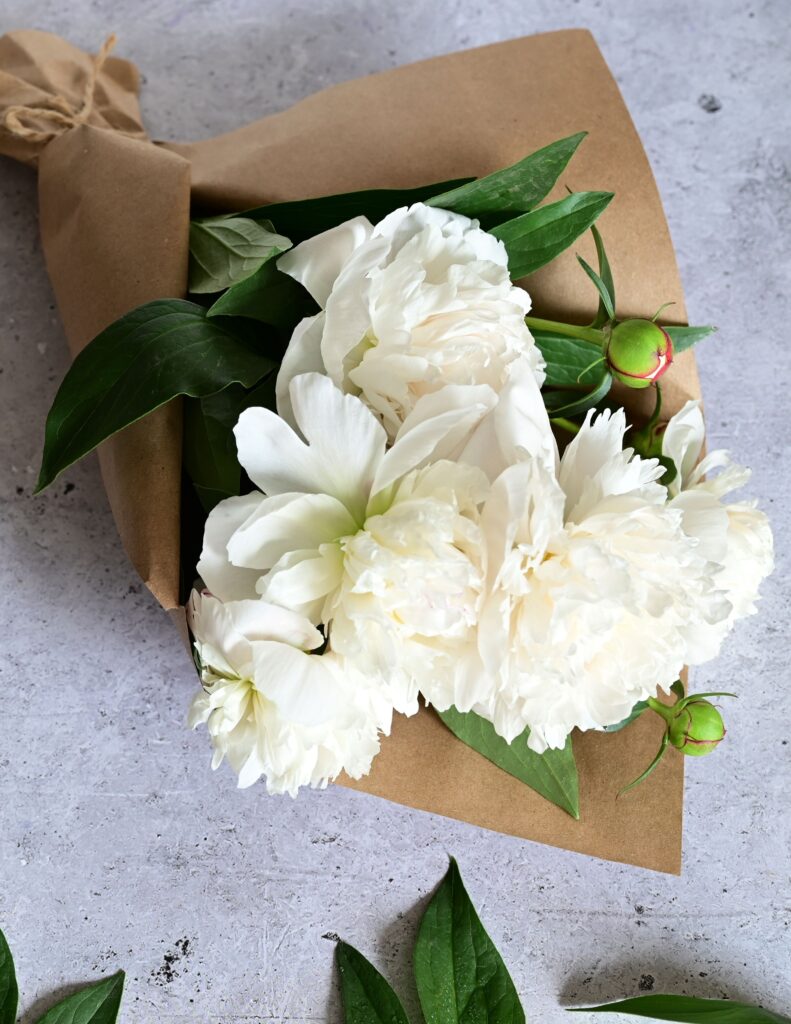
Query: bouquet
[(404, 488)]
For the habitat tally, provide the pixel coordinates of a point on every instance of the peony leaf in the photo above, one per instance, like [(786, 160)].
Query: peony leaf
[(685, 337), (210, 459), (367, 997), (267, 295), (606, 300), (688, 1010), (571, 403), (304, 218), (513, 190), (536, 238), (158, 351), (460, 976), (95, 1004), (571, 362), (553, 774), (225, 250), (9, 993), (605, 274)]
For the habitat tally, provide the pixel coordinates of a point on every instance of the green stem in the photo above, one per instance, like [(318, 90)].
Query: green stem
[(592, 334), (663, 710), (564, 424)]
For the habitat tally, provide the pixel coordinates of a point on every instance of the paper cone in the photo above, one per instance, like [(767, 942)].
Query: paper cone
[(114, 223)]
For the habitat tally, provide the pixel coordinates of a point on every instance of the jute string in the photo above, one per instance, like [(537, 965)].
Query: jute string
[(59, 112)]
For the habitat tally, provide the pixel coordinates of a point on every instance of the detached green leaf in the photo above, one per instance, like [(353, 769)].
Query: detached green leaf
[(605, 273), (553, 774), (96, 1004), (461, 978), (538, 237), (367, 997), (303, 218), (9, 993), (689, 1010), (513, 190), (571, 362), (224, 250), (685, 337), (210, 458), (570, 403), (605, 299), (158, 351)]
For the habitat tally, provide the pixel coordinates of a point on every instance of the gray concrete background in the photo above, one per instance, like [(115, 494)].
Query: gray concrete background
[(118, 847)]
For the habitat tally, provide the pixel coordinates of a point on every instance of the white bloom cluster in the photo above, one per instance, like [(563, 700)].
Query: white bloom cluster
[(414, 522)]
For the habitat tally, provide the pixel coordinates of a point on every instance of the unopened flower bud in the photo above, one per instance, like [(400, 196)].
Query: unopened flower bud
[(696, 728), (639, 352)]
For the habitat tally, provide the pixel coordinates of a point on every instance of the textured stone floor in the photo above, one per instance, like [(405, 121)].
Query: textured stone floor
[(117, 845)]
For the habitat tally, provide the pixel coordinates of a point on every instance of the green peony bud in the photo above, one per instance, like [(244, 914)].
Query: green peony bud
[(696, 728), (639, 352)]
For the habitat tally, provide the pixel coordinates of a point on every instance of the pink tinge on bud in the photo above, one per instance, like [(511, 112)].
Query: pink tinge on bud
[(639, 352)]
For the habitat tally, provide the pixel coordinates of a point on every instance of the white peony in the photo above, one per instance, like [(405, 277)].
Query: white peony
[(595, 592), (735, 538), (381, 546), (271, 708), (422, 300)]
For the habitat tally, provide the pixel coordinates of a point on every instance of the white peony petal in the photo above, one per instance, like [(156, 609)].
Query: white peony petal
[(296, 682), (287, 522), (682, 442), (317, 262), (345, 445), (440, 424), (227, 581), (303, 355)]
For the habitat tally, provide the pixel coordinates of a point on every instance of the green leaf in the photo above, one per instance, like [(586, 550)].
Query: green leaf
[(538, 237), (605, 299), (513, 190), (210, 458), (569, 403), (553, 774), (571, 362), (303, 218), (95, 1004), (633, 715), (9, 993), (685, 337), (605, 273), (689, 1010), (224, 250), (461, 978), (367, 997), (267, 295), (158, 351)]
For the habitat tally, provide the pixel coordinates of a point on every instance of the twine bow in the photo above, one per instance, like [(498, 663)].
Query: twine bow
[(59, 112)]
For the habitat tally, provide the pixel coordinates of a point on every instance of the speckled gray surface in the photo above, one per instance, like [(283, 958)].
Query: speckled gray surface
[(118, 847)]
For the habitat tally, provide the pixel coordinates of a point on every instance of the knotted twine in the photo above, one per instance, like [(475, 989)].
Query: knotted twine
[(61, 113)]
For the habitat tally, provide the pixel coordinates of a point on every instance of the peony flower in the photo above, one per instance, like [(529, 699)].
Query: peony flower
[(381, 546), (735, 538), (420, 301), (595, 592), (273, 709)]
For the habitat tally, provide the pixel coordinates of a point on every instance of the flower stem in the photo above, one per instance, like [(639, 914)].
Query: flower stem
[(564, 424), (592, 334), (665, 711)]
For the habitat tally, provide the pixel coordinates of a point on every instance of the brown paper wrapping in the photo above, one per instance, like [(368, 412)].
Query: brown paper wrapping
[(114, 219)]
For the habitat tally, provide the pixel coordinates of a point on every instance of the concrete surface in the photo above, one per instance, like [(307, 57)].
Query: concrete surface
[(118, 847)]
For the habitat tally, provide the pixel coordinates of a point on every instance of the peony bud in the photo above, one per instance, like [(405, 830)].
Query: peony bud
[(639, 352), (696, 728)]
